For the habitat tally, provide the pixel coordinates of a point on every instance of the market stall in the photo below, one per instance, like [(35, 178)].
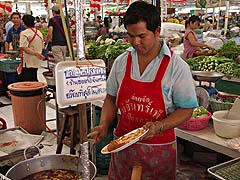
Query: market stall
[(221, 66)]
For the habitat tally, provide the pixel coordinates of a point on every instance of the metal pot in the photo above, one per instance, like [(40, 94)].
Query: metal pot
[(48, 162), (49, 78)]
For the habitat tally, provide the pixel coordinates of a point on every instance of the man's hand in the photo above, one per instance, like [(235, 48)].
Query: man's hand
[(97, 133), (39, 56)]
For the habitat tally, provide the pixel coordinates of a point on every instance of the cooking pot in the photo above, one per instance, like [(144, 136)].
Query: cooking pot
[(49, 78), (48, 162)]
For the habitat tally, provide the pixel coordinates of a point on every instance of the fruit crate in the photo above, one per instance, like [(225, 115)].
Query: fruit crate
[(9, 65)]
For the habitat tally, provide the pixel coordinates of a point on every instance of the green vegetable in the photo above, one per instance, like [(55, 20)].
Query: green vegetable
[(199, 112), (230, 50), (113, 51), (226, 68), (236, 73), (44, 31)]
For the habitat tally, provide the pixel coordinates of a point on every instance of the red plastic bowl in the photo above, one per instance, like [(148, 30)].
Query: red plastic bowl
[(195, 124)]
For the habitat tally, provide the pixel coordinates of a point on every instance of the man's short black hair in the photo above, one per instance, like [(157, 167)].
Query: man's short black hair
[(28, 20), (143, 11), (15, 13)]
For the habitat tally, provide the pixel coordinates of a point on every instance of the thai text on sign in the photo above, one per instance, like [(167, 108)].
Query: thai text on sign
[(80, 84)]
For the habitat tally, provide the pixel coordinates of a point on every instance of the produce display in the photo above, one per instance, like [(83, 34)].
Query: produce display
[(225, 98), (230, 50), (44, 31), (200, 112), (106, 48), (206, 52), (227, 60)]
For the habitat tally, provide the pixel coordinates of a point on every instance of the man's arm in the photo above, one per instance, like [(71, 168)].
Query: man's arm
[(109, 111), (6, 46), (32, 52), (108, 114), (8, 40), (49, 35), (177, 117)]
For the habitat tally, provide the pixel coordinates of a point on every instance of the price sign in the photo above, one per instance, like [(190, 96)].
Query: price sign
[(80, 84)]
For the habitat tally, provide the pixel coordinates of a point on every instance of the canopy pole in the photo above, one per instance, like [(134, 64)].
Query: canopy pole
[(219, 10), (226, 18), (161, 5)]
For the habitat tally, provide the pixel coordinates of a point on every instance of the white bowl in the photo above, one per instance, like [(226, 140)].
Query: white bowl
[(226, 128)]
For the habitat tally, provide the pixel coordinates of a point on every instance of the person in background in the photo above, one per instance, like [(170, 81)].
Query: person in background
[(8, 25), (214, 24), (98, 21), (190, 39), (44, 22), (207, 25), (38, 23), (31, 46), (183, 22), (57, 36), (146, 85), (14, 31), (104, 29)]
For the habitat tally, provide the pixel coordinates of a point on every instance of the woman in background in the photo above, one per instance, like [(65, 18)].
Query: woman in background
[(31, 46), (104, 29), (190, 41)]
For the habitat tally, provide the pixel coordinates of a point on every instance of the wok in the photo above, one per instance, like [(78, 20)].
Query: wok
[(48, 162), (207, 76)]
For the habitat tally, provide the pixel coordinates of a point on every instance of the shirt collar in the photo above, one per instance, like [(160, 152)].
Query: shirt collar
[(164, 49)]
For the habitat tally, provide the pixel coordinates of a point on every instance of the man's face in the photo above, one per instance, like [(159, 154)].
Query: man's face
[(16, 19), (141, 38)]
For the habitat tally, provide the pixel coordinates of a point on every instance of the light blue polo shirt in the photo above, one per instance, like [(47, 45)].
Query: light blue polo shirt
[(177, 83)]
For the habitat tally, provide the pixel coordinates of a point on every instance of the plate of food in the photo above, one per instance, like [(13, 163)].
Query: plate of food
[(124, 141)]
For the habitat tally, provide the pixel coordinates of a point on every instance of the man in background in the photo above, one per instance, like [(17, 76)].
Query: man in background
[(8, 25), (13, 35), (57, 36), (207, 25)]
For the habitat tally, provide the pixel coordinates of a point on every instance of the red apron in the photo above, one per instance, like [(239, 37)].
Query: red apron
[(140, 102)]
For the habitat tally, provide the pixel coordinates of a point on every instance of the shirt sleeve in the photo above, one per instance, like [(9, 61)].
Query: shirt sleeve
[(50, 23), (112, 85), (117, 72), (184, 95)]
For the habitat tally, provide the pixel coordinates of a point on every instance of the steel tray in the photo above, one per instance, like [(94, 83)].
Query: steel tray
[(227, 166), (208, 76)]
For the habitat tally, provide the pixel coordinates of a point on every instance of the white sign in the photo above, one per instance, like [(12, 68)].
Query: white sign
[(80, 84)]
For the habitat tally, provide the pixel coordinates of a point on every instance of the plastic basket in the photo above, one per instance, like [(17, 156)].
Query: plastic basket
[(9, 65), (216, 105), (195, 124)]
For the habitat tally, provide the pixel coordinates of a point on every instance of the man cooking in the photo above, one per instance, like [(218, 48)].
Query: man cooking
[(153, 88)]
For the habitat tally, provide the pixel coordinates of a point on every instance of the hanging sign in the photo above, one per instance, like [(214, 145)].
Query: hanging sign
[(80, 84), (201, 3)]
